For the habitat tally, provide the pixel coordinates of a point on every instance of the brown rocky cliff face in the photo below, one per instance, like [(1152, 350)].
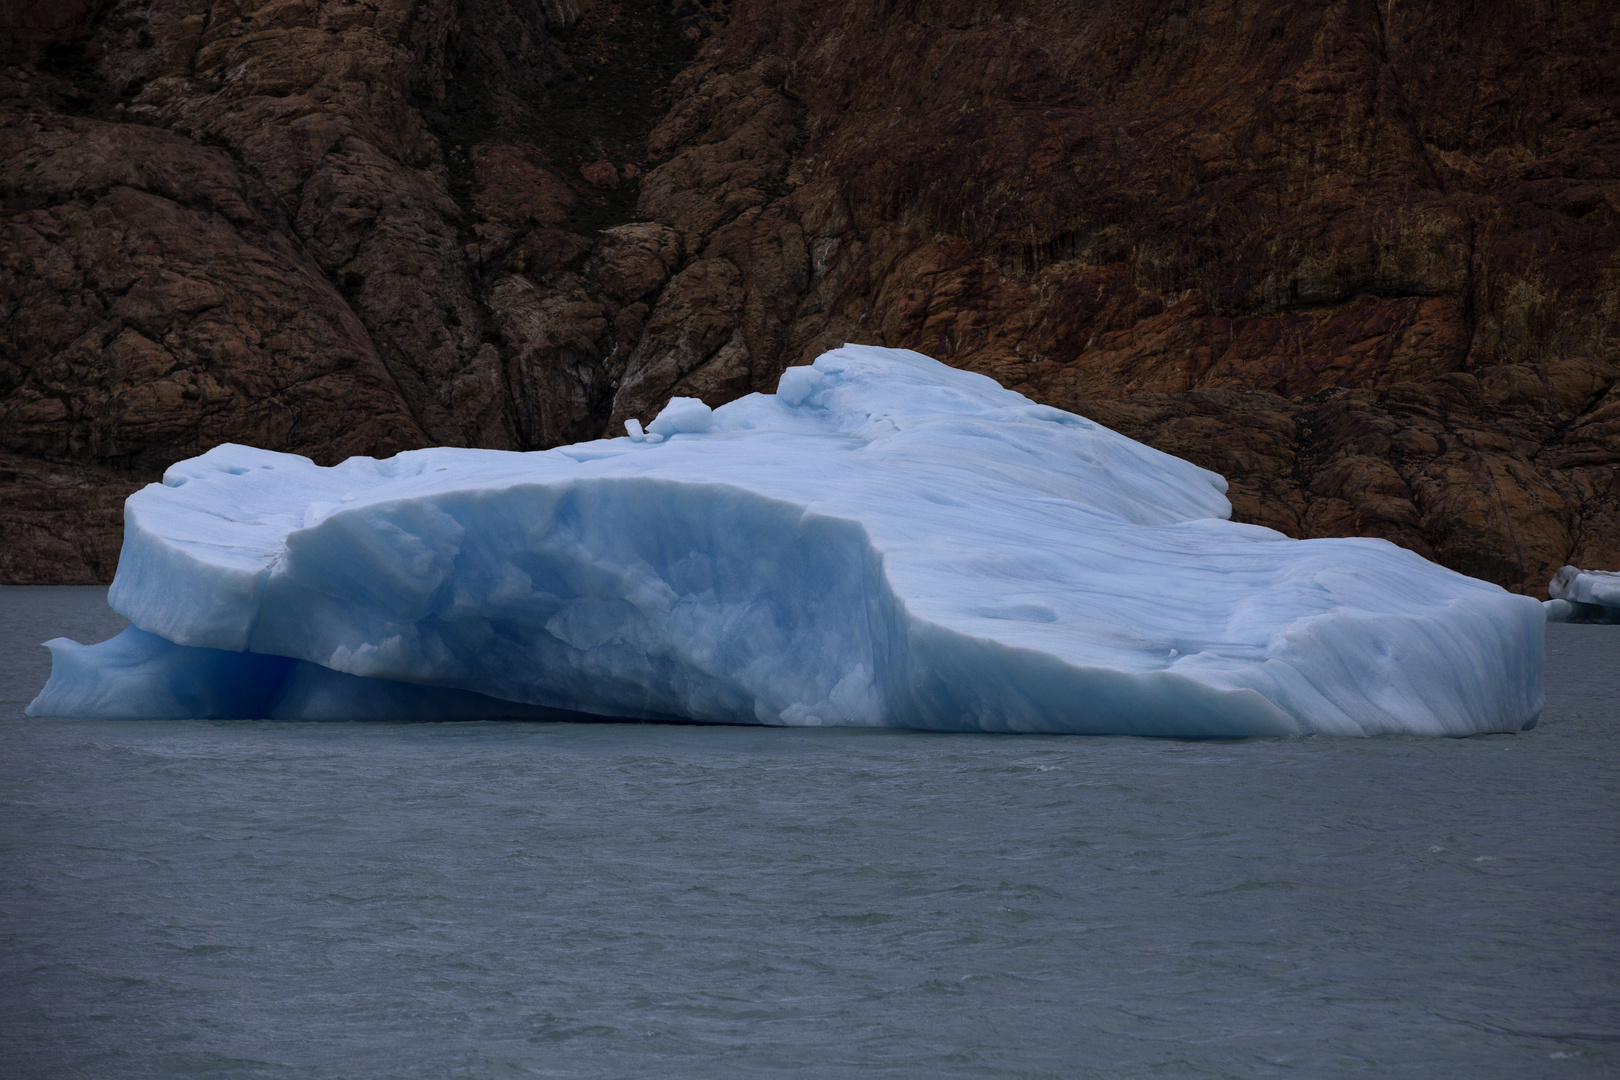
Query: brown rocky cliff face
[(254, 222), (1360, 260), (157, 304)]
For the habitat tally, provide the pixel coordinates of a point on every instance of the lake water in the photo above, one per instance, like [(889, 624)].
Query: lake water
[(625, 900)]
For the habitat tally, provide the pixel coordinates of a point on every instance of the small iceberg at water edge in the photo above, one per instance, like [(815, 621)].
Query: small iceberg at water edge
[(886, 541), (1584, 596)]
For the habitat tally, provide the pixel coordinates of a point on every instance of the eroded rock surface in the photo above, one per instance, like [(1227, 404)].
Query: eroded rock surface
[(1359, 258), (157, 303)]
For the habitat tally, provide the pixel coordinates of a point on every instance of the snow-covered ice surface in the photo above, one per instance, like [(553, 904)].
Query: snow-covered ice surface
[(884, 541), (1591, 596)]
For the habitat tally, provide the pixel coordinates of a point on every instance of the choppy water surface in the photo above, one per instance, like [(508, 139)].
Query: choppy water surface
[(517, 899)]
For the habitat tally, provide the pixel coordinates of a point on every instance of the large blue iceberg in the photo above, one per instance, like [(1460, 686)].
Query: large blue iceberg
[(885, 541)]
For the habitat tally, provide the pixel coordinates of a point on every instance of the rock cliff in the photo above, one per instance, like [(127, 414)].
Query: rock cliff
[(1360, 258)]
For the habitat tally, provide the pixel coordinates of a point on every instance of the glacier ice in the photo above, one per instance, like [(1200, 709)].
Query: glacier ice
[(1589, 596), (137, 675), (884, 541)]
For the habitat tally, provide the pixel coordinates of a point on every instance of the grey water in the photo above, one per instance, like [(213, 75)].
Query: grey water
[(624, 900)]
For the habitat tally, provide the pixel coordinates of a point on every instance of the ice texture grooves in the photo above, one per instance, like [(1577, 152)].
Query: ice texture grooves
[(885, 541)]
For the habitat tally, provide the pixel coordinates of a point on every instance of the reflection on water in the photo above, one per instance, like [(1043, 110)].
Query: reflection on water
[(402, 900)]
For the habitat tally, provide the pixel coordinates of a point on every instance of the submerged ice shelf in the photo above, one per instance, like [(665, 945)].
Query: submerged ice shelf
[(884, 541)]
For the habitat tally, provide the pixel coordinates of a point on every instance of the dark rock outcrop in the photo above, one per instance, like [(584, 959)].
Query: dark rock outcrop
[(1361, 259), (157, 303)]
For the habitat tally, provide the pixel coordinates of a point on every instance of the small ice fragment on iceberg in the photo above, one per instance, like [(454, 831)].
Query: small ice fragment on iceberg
[(683, 415), (798, 383), (632, 427)]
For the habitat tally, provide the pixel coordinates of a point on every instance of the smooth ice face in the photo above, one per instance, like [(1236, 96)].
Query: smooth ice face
[(885, 541)]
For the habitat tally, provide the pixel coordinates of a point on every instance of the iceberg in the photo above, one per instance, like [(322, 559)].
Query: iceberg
[(1584, 596), (885, 541)]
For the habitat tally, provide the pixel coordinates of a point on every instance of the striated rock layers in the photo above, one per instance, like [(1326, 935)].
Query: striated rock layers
[(1361, 259)]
